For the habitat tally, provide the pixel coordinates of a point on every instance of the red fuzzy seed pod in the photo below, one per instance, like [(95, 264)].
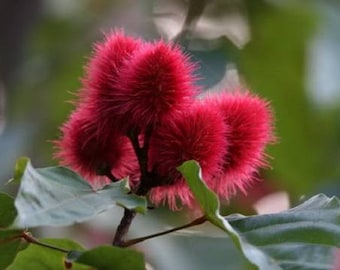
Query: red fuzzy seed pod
[(155, 84), (92, 140), (102, 82), (173, 195), (198, 133), (90, 150), (104, 67), (249, 119)]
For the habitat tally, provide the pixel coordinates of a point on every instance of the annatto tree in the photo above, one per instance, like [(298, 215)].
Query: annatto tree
[(141, 135)]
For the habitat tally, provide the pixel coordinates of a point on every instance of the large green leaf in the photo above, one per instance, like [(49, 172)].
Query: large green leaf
[(289, 240), (58, 196), (304, 237), (210, 205), (112, 258), (42, 258), (197, 250)]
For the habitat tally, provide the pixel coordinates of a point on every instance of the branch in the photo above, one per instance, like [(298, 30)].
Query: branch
[(123, 227), (195, 11), (141, 152), (30, 239), (106, 171), (147, 138), (141, 239), (145, 181), (109, 175)]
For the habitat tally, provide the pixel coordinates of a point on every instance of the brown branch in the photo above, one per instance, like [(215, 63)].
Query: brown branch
[(109, 175), (32, 240), (195, 11), (196, 222), (147, 139), (105, 170), (123, 227), (145, 181), (133, 136)]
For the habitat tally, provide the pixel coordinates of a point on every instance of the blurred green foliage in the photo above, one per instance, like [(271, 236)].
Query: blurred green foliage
[(274, 66)]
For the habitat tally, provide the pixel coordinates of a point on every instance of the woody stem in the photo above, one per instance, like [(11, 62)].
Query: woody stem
[(144, 187), (123, 227), (109, 175), (32, 240), (195, 222), (142, 156)]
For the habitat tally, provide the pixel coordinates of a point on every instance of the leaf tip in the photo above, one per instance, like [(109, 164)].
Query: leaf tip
[(19, 169)]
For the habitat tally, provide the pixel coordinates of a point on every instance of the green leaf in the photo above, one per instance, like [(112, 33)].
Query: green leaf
[(10, 240), (42, 258), (8, 211), (304, 237), (217, 251), (19, 170), (57, 196), (210, 205), (107, 258), (10, 245)]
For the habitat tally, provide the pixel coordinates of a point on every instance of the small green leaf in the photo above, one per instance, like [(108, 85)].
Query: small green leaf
[(129, 201), (57, 196), (42, 258), (20, 167), (210, 205), (112, 258), (303, 238), (8, 211)]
